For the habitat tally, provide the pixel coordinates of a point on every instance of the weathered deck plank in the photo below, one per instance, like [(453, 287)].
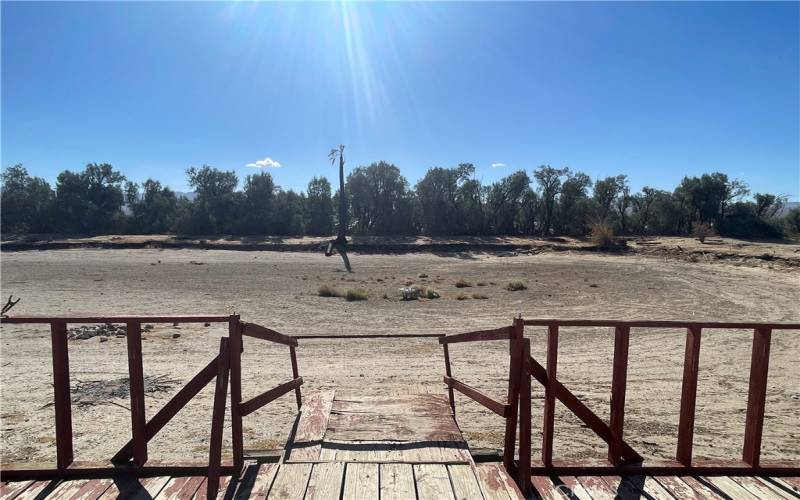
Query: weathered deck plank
[(135, 488), (465, 484), (759, 489), (377, 427), (433, 482), (326, 481), (495, 482), (66, 489), (597, 488), (290, 482), (361, 481), (700, 488), (39, 489), (546, 489), (397, 482), (781, 486), (180, 488), (730, 487), (680, 489), (256, 481), (9, 491), (311, 427), (92, 489), (577, 489)]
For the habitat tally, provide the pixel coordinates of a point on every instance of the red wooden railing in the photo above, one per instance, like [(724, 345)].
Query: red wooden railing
[(621, 456), (133, 457), (516, 410)]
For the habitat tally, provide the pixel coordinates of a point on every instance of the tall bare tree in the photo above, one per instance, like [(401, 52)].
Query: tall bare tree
[(340, 243)]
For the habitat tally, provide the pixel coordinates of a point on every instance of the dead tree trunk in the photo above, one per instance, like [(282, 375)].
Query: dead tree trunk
[(340, 243)]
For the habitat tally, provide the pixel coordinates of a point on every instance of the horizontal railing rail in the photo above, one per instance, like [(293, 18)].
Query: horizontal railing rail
[(504, 333), (502, 409), (86, 319), (725, 325), (269, 396), (264, 333)]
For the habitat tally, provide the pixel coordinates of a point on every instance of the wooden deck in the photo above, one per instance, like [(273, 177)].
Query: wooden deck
[(361, 480), (392, 447), (412, 428)]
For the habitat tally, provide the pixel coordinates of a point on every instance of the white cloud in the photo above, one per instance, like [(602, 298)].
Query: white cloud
[(498, 165), (265, 163)]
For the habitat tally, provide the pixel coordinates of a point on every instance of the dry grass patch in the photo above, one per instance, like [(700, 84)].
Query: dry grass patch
[(328, 291), (461, 296), (479, 296), (462, 283), (516, 286), (602, 236), (354, 294)]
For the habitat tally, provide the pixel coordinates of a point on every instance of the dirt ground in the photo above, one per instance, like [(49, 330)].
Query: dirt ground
[(279, 290)]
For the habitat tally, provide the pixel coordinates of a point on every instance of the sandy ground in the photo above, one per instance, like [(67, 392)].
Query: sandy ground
[(279, 290)]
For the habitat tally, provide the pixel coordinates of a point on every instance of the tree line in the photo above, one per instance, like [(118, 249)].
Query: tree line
[(380, 201)]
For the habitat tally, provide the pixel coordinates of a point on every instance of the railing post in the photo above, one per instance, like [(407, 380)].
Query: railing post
[(618, 385), (757, 396), (217, 420), (515, 352), (235, 351), (63, 402), (136, 378), (524, 471), (691, 364), (295, 374), (550, 396), (447, 371)]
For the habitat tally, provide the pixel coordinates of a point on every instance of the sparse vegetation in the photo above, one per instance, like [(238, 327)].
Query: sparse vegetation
[(516, 286), (481, 283), (355, 294), (461, 296), (479, 296), (328, 291), (602, 236), (462, 283), (429, 293)]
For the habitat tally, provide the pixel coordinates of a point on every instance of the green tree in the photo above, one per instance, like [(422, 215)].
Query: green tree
[(471, 207), (437, 195), (505, 199), (152, 212), (259, 203), (26, 202), (289, 213), (214, 201), (574, 205), (606, 192), (549, 180), (380, 200), (319, 207), (90, 201)]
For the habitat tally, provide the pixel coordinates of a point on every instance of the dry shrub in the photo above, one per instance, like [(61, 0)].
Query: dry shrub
[(516, 286), (354, 294), (328, 291), (462, 283), (602, 236), (461, 296), (479, 296), (702, 230), (429, 293)]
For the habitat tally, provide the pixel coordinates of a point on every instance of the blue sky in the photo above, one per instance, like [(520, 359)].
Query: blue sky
[(654, 90)]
